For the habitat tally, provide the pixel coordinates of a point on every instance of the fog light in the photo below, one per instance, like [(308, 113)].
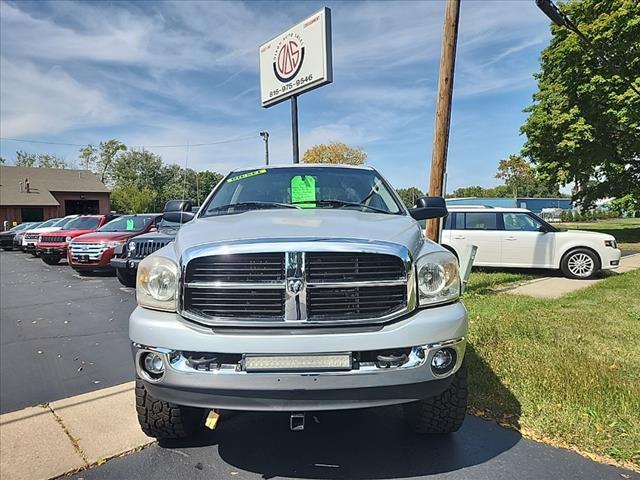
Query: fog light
[(443, 361), (153, 364)]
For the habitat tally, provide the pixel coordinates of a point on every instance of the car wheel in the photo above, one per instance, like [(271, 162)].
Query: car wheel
[(580, 264), (126, 278), (6, 249), (51, 259), (443, 413), (164, 420)]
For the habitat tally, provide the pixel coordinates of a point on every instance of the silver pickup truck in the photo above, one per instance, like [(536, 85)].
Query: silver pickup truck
[(300, 288)]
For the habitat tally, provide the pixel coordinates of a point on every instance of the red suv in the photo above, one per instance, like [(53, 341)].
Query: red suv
[(93, 251), (52, 246)]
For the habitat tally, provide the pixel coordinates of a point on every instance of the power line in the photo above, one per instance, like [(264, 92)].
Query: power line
[(217, 142)]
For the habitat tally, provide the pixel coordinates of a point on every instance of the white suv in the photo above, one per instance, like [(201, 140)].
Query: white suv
[(516, 237)]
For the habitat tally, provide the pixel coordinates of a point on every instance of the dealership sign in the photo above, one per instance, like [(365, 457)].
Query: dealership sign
[(297, 60)]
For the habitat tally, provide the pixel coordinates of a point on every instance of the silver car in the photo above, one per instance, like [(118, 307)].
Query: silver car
[(300, 288)]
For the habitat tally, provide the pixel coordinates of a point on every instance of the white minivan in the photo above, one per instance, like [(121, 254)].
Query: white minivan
[(517, 238)]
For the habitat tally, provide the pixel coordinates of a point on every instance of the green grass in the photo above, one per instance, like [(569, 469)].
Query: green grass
[(566, 369), (626, 230)]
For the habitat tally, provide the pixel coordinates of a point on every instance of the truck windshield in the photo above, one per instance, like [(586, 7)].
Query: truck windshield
[(83, 223), (49, 223), (303, 187), (129, 223)]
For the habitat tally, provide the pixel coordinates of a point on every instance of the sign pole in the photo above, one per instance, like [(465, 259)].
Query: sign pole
[(294, 128), (443, 109)]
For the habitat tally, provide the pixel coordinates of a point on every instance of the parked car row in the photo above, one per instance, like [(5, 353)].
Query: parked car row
[(100, 242)]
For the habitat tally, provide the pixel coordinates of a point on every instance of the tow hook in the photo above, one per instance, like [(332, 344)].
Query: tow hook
[(296, 422)]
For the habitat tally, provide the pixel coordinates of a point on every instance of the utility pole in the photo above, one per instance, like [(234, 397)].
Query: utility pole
[(443, 109), (265, 137), (294, 128)]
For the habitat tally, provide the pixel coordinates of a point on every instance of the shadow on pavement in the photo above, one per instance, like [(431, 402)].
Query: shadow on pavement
[(358, 444)]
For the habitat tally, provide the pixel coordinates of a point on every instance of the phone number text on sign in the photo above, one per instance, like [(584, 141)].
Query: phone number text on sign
[(291, 85)]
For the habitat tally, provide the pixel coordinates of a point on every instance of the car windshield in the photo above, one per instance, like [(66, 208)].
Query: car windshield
[(22, 226), (49, 223), (129, 223), (303, 187), (63, 222), (83, 223)]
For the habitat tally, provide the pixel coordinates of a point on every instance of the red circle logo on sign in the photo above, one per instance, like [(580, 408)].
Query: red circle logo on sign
[(289, 60)]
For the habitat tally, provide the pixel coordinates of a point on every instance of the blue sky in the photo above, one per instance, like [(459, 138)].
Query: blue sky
[(187, 72)]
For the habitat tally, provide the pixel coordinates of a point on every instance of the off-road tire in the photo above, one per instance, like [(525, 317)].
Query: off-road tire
[(443, 413), (164, 420), (50, 259), (566, 268), (7, 249), (126, 278)]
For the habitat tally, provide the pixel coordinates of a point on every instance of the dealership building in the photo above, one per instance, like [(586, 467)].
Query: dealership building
[(32, 194)]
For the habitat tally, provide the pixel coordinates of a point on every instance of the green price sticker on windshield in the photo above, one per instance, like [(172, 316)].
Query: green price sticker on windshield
[(303, 189), (130, 224)]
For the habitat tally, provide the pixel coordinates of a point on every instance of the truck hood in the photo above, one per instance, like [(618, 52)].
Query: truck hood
[(105, 236), (44, 230), (72, 233), (301, 223)]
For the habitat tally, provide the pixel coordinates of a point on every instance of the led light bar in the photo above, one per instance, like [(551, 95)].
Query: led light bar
[(271, 363)]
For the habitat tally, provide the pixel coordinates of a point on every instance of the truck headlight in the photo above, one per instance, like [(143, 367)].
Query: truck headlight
[(67, 239), (157, 284), (114, 244), (438, 278)]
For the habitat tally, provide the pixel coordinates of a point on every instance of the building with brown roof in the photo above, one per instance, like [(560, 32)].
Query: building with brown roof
[(33, 194)]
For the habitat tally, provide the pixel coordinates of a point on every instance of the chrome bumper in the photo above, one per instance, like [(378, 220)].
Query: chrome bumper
[(232, 388)]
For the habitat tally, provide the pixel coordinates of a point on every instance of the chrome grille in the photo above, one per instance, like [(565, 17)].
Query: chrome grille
[(354, 302), (31, 236), (147, 247), (53, 239), (239, 268), (93, 250), (236, 303), (308, 288), (356, 267)]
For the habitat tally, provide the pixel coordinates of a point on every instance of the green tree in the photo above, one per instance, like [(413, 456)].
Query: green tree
[(584, 124), (132, 199), (464, 192), (101, 159), (335, 153), (515, 171), (40, 160), (409, 195)]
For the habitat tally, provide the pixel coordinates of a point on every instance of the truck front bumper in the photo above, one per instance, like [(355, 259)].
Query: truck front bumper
[(130, 264), (52, 249), (231, 387)]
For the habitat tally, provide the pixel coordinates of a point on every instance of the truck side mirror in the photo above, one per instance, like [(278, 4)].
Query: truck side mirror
[(178, 216), (178, 206), (429, 207)]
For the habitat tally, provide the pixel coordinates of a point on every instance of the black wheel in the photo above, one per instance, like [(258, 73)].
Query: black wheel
[(126, 278), (580, 264), (164, 420), (51, 259), (443, 413), (7, 249)]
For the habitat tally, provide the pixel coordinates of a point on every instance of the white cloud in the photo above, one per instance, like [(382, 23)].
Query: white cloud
[(36, 101)]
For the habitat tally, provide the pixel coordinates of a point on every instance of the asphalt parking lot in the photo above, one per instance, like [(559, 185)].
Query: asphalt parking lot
[(63, 335)]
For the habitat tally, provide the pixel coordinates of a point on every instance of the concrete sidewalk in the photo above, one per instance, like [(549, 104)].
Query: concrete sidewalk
[(50, 440), (555, 287)]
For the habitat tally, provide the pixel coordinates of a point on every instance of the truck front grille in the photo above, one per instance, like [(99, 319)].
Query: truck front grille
[(308, 288), (145, 248), (354, 302), (31, 236), (243, 268), (53, 239), (92, 250)]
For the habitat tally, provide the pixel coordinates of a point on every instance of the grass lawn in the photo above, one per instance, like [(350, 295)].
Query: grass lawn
[(626, 230), (566, 370)]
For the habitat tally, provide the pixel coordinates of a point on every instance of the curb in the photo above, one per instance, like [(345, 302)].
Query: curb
[(69, 435)]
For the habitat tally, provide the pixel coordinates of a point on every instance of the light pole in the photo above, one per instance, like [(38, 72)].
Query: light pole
[(265, 137), (562, 20)]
